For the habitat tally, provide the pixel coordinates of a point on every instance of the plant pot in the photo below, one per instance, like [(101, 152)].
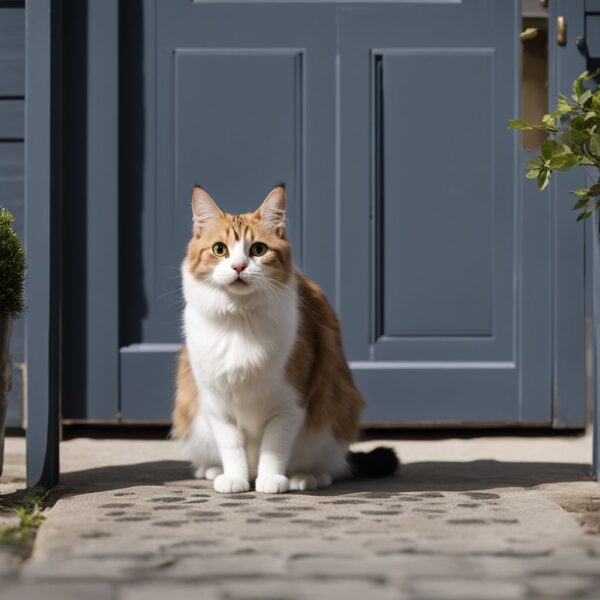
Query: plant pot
[(5, 376)]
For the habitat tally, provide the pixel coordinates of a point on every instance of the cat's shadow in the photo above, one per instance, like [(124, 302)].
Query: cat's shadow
[(426, 476)]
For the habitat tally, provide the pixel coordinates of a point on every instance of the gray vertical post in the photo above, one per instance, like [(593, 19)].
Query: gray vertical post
[(41, 121), (595, 283), (565, 64)]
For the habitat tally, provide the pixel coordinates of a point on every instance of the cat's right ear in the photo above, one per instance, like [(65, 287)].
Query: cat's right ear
[(204, 210)]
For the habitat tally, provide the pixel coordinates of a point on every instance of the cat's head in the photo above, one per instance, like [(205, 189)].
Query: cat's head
[(240, 254)]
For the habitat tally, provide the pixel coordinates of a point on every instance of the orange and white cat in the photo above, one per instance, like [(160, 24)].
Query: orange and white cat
[(264, 393)]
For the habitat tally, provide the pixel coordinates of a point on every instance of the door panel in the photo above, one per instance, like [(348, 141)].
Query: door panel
[(236, 99), (435, 241)]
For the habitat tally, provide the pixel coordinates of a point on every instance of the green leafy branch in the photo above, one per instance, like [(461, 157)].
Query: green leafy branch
[(574, 130)]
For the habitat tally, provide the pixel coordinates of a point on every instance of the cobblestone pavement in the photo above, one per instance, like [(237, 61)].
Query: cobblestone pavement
[(493, 518)]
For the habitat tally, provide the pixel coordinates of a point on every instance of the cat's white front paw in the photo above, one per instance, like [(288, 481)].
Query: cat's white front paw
[(272, 484), (213, 472), (230, 485), (200, 473)]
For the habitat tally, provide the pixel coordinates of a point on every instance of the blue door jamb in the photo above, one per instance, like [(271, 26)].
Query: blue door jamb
[(42, 35)]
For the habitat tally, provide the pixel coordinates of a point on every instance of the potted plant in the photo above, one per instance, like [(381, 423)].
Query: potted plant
[(12, 271), (574, 140)]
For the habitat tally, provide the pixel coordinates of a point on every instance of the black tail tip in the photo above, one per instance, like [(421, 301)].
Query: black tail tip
[(379, 462)]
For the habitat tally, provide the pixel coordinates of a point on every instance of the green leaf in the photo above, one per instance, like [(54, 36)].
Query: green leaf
[(595, 144), (590, 208), (581, 192), (581, 203), (549, 122), (595, 189), (563, 162), (563, 107), (579, 123), (533, 174), (575, 137), (543, 179), (534, 163), (585, 96), (596, 102), (578, 87), (549, 148), (519, 124)]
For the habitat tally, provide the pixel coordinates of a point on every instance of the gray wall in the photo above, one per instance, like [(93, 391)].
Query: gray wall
[(12, 104)]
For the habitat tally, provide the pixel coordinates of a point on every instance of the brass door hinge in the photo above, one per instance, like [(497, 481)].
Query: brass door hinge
[(561, 31)]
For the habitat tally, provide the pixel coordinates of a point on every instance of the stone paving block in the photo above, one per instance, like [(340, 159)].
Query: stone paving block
[(168, 591), (214, 567), (379, 568), (451, 588), (99, 568), (306, 589), (263, 589), (58, 591), (561, 585)]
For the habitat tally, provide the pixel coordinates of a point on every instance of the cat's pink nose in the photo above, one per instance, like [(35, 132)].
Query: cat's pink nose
[(239, 267)]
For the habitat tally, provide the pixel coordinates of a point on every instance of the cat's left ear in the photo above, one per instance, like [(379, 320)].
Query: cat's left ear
[(272, 211), (204, 209)]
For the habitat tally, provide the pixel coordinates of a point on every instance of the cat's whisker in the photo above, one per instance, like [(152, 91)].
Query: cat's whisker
[(289, 293)]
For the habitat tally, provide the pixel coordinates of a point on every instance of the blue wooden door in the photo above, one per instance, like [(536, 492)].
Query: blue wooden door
[(388, 121)]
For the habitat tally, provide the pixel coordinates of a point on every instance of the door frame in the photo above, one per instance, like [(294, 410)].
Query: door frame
[(565, 63), (43, 227)]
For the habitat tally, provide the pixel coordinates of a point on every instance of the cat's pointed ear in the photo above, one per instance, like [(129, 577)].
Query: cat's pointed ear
[(204, 209), (272, 211)]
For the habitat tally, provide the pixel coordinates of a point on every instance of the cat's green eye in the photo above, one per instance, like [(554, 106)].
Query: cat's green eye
[(219, 249), (258, 249)]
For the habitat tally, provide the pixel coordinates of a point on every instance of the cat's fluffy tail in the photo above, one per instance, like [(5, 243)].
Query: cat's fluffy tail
[(380, 462)]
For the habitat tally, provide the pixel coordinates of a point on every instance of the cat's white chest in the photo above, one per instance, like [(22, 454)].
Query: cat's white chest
[(241, 351), (233, 351)]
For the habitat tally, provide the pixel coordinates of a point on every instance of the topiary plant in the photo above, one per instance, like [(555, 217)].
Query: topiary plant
[(574, 130), (12, 266)]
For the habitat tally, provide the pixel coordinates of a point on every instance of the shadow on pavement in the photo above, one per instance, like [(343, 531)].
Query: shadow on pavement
[(439, 476)]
